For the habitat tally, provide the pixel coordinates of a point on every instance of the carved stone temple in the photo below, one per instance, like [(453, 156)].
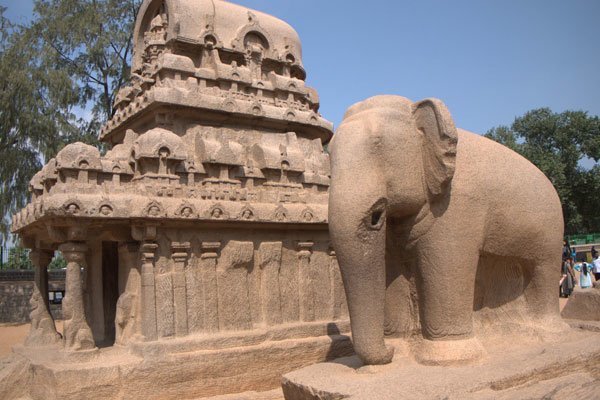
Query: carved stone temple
[(197, 247)]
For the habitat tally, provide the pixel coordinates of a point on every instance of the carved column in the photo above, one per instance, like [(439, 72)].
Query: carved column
[(127, 321), (305, 282), (195, 295), (235, 308), (147, 252), (43, 330), (77, 333), (180, 252), (208, 276), (269, 254)]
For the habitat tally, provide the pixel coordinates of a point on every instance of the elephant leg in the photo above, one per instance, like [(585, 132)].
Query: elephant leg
[(446, 291), (540, 294)]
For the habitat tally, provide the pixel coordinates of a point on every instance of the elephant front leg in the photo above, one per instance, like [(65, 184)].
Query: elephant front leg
[(446, 291)]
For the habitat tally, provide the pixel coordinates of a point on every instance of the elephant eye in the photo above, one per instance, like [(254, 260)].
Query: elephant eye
[(377, 219), (374, 219)]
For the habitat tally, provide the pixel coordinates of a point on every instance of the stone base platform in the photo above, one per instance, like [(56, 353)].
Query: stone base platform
[(583, 304), (565, 367), (196, 367)]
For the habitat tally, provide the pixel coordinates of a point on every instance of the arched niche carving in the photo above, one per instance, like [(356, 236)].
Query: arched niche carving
[(150, 9), (251, 36)]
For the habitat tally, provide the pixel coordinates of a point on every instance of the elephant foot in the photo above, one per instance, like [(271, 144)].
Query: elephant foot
[(448, 352), (376, 356), (549, 328)]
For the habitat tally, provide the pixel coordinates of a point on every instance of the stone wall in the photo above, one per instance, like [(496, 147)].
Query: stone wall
[(16, 287)]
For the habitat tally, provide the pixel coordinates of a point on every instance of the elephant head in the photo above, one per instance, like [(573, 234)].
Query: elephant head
[(390, 159)]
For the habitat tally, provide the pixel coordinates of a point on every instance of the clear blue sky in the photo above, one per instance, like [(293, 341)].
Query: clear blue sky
[(489, 61)]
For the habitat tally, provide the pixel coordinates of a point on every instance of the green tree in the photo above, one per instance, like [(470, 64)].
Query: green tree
[(59, 75), (58, 262), (18, 258), (556, 143)]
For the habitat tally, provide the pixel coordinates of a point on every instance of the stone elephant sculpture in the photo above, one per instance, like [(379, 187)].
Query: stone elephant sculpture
[(450, 197)]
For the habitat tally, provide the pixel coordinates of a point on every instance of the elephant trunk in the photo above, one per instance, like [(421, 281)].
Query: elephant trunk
[(361, 257)]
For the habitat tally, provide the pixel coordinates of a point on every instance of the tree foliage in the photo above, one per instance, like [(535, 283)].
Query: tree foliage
[(556, 144), (59, 75), (18, 258)]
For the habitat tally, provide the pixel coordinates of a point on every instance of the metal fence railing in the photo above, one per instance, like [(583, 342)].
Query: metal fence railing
[(14, 257), (3, 256), (590, 238)]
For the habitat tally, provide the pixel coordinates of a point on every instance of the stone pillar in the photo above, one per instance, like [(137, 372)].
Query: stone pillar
[(127, 321), (269, 261), (195, 295), (208, 276), (305, 282), (43, 330), (148, 304), (165, 310), (233, 270), (77, 333), (180, 252), (94, 290)]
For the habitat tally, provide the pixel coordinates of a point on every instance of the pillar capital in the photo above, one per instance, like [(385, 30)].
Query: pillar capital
[(40, 258), (147, 252), (180, 251), (210, 249), (129, 246), (304, 249), (73, 251)]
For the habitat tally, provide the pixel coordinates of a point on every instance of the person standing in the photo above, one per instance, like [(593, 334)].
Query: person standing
[(566, 253), (585, 276), (596, 268), (568, 282)]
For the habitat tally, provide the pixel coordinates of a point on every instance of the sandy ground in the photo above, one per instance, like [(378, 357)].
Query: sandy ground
[(15, 334), (11, 334)]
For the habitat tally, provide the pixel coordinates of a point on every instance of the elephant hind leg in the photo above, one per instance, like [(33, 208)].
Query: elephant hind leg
[(541, 294)]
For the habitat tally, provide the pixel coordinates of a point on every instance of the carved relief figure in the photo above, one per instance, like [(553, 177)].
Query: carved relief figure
[(216, 213), (72, 208), (43, 330), (105, 210), (281, 214), (125, 316), (307, 215), (154, 211), (402, 170)]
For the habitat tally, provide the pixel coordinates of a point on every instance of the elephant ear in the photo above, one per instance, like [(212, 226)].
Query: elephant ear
[(439, 144)]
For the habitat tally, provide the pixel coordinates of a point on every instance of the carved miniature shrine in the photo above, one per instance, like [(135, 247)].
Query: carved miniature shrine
[(204, 227)]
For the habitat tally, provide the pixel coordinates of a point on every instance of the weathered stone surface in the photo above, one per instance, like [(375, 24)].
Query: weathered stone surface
[(583, 304), (424, 212), (227, 364), (215, 172), (77, 333), (232, 282), (557, 368), (270, 264)]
